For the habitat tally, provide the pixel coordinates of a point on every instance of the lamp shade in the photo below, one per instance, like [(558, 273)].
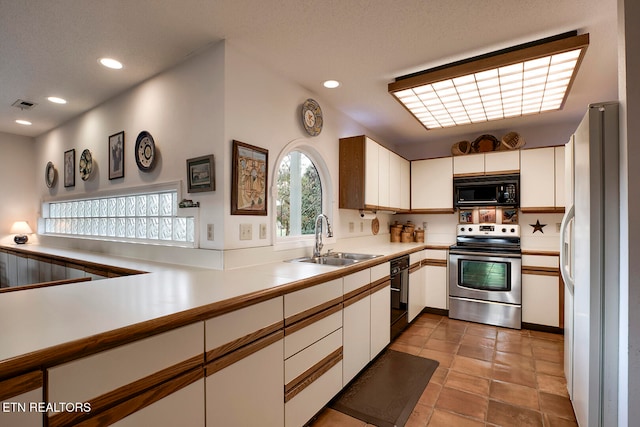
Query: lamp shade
[(20, 227)]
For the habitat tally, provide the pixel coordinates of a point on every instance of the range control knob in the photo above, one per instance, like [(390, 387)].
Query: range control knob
[(504, 230), (462, 229), (470, 229), (513, 230)]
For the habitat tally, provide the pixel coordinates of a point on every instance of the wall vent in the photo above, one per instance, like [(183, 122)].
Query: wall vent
[(24, 105)]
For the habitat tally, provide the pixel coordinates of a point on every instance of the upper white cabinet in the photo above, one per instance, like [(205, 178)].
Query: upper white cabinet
[(487, 163), (405, 185), (432, 185), (542, 179), (371, 176)]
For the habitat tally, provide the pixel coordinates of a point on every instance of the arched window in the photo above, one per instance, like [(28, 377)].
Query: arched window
[(301, 193)]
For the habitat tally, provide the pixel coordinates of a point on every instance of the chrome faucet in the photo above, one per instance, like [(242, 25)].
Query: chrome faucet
[(318, 247)]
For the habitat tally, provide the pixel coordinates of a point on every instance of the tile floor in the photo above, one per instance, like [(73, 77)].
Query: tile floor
[(488, 376)]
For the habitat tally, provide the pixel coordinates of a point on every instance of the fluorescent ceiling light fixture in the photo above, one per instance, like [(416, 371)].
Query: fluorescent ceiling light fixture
[(331, 84), (111, 63), (24, 122), (526, 79), (57, 100)]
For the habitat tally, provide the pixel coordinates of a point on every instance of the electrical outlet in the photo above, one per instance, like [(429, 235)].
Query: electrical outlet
[(351, 227), (246, 230), (209, 231), (263, 231), (424, 226)]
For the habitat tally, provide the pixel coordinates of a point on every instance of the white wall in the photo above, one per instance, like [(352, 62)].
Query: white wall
[(19, 175)]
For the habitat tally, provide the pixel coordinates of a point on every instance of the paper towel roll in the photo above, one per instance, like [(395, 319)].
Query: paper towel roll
[(367, 215)]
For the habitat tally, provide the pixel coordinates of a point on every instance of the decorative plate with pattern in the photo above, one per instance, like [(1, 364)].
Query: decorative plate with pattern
[(50, 175), (145, 151), (312, 117), (86, 165)]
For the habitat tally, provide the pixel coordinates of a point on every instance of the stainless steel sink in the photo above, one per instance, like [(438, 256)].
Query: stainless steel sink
[(337, 259)]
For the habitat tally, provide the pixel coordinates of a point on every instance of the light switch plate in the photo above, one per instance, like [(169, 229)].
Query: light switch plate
[(246, 231), (209, 231), (263, 231)]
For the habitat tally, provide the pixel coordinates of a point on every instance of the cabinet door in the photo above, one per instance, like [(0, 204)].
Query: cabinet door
[(559, 175), (371, 172), (384, 156), (432, 184), (249, 392), (416, 293), (405, 184), (540, 299), (537, 178), (380, 319), (394, 185), (12, 270), (4, 265), (436, 292), (16, 396), (471, 164), (23, 275), (356, 330), (502, 162)]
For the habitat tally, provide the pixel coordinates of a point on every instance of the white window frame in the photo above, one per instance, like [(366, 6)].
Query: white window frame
[(291, 242), (171, 187)]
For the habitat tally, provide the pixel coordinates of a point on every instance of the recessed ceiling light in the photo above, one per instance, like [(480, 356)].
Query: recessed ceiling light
[(57, 100), (525, 79), (24, 122), (111, 63), (331, 84)]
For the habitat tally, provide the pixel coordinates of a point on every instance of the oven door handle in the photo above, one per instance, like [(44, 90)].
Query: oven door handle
[(485, 254), (395, 289)]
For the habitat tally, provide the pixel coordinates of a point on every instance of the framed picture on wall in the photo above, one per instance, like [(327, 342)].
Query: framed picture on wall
[(248, 179), (487, 215), (201, 174), (70, 168), (116, 155), (466, 216)]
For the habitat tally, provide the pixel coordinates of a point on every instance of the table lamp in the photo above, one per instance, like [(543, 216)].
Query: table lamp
[(20, 229)]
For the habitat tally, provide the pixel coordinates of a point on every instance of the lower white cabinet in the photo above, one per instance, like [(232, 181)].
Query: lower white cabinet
[(541, 299), (380, 318), (247, 392), (436, 278), (416, 292), (16, 397), (357, 336)]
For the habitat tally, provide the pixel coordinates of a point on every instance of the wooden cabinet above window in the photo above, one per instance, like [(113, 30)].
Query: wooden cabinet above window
[(371, 175)]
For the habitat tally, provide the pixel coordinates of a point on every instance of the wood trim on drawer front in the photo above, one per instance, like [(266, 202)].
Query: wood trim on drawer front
[(45, 284), (379, 282), (305, 379), (242, 341), (546, 209), (135, 404), (541, 253), (21, 384), (312, 311), (355, 296), (126, 392), (380, 285), (432, 211), (288, 330), (541, 271), (435, 262), (415, 267), (242, 353)]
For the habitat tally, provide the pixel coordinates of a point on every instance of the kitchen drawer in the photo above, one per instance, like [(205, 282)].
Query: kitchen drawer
[(96, 375), (305, 333), (232, 330), (305, 404), (416, 257), (306, 359), (306, 302), (540, 261), (356, 281), (435, 254), (18, 394), (380, 271)]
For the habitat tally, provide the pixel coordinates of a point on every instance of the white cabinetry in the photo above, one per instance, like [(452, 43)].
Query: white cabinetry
[(416, 285), (432, 185), (437, 279), (356, 324), (541, 178), (487, 163), (541, 290), (380, 308), (245, 353), (16, 396), (405, 185), (371, 176)]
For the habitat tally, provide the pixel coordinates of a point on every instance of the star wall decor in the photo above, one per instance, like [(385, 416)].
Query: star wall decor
[(538, 227)]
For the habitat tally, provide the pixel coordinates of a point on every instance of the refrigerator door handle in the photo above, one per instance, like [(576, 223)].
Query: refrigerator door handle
[(565, 249)]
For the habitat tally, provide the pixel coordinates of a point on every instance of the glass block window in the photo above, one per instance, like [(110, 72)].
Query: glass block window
[(147, 217)]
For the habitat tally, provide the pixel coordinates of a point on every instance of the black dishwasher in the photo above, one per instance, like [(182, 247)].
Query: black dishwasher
[(399, 294)]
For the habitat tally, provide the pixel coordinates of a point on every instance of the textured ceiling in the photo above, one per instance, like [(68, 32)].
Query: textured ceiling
[(51, 48)]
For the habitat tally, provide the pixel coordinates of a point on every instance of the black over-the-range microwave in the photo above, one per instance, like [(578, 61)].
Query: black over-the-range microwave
[(489, 190)]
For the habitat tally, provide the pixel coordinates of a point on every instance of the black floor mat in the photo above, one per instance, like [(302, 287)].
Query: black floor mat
[(386, 392)]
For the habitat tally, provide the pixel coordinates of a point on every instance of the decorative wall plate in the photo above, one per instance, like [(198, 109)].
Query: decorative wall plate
[(312, 117), (85, 165), (145, 151), (50, 175)]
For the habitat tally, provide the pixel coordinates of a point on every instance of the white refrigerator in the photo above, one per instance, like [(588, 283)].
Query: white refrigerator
[(589, 263)]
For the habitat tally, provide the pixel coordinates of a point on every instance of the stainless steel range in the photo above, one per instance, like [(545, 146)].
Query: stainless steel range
[(485, 283)]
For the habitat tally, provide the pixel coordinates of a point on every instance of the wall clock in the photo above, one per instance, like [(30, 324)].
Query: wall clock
[(50, 175), (85, 166), (145, 151), (312, 117)]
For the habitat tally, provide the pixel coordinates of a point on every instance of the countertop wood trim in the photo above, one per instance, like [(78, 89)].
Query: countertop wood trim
[(89, 345), (20, 384)]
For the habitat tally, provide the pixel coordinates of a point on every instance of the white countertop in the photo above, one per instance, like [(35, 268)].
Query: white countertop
[(35, 320)]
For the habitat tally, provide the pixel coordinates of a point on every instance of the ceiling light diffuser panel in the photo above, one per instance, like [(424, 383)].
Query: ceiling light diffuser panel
[(522, 80)]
